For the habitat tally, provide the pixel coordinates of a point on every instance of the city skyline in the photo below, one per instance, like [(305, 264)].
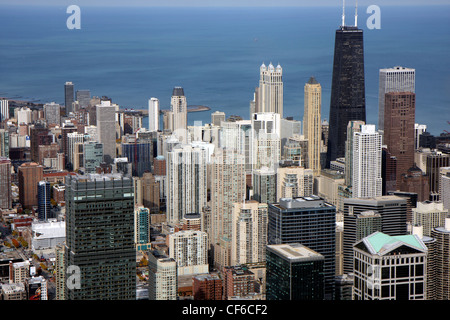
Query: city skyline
[(260, 199)]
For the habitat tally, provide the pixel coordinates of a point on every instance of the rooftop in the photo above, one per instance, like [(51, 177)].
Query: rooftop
[(311, 201), (295, 252), (381, 243)]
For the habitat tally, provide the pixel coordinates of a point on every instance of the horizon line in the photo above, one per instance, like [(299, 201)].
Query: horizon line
[(213, 6)]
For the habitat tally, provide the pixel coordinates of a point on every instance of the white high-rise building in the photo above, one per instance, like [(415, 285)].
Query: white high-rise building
[(24, 115), (270, 89), (153, 114), (236, 135), (265, 140), (178, 105), (396, 79), (249, 233), (418, 130), (352, 127), (73, 139), (189, 248), (367, 152), (106, 128), (186, 169), (4, 110)]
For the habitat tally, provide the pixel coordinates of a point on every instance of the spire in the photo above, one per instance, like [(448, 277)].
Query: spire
[(356, 14), (343, 13)]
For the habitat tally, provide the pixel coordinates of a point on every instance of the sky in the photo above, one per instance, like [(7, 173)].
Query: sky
[(228, 3)]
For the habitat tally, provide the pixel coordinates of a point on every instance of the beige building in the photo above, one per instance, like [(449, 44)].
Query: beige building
[(227, 187), (312, 128), (249, 233), (328, 185), (294, 182), (13, 291), (429, 215), (19, 271), (162, 277), (179, 108)]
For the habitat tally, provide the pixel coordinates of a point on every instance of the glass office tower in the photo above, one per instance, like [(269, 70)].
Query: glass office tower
[(100, 237), (294, 272), (310, 221)]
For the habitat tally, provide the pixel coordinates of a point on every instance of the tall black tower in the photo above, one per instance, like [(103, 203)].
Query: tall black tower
[(348, 100)]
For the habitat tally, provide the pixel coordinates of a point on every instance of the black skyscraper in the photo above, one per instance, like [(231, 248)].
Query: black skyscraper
[(347, 88)]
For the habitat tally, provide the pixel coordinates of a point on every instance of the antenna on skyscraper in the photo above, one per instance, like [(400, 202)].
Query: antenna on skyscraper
[(356, 14), (343, 12)]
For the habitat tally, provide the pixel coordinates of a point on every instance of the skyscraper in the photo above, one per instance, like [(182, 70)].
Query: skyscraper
[(4, 143), (100, 236), (357, 225), (178, 105), (227, 187), (441, 270), (68, 96), (352, 127), (270, 89), (237, 135), (5, 183), (52, 113), (83, 97), (106, 128), (265, 140), (396, 79), (186, 181), (139, 152), (44, 196), (189, 249), (310, 221), (142, 228), (293, 182), (390, 268), (366, 164), (393, 210), (153, 114), (264, 185), (4, 110), (294, 272), (436, 160), (162, 277), (348, 100), (249, 232), (29, 175), (92, 155), (312, 123), (399, 116), (429, 215)]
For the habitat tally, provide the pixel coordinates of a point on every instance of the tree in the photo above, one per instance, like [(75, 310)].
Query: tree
[(15, 243)]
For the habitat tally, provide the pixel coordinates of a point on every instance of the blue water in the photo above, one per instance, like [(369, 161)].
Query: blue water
[(132, 54)]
